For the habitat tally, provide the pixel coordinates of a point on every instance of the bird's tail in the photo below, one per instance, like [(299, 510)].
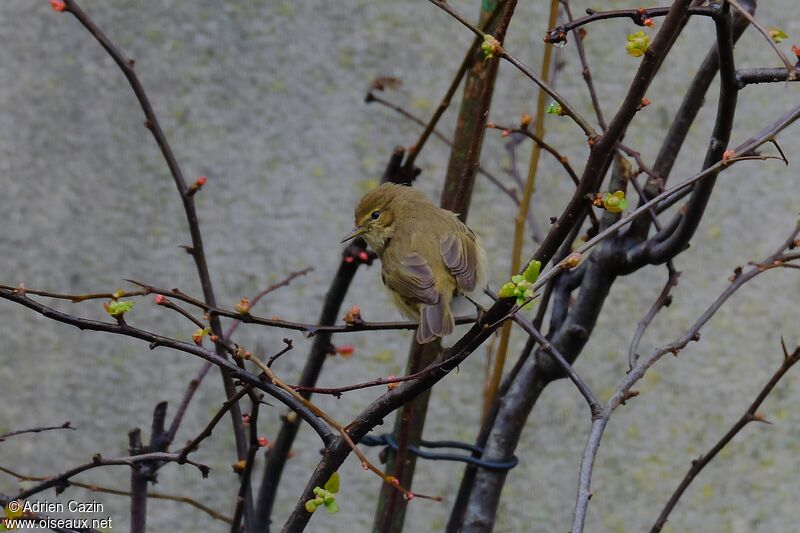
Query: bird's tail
[(435, 321)]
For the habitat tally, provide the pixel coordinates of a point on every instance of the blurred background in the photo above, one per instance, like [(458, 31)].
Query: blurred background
[(266, 99)]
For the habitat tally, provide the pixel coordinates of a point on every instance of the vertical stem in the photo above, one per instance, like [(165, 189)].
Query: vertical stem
[(472, 116), (522, 214), (391, 512), (138, 485), (456, 193), (279, 452)]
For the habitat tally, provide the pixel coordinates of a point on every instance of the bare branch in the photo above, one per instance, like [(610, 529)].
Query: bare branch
[(65, 425), (751, 415)]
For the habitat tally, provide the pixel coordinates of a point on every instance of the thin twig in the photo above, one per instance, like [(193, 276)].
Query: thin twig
[(791, 71), (186, 400), (311, 329), (751, 415), (288, 347), (547, 347), (117, 492), (624, 392), (638, 16), (65, 425), (416, 120), (365, 463), (587, 74), (749, 145), (664, 299), (158, 340), (206, 432), (272, 288), (563, 160), (429, 128), (186, 193), (502, 52), (247, 471), (61, 480), (337, 391)]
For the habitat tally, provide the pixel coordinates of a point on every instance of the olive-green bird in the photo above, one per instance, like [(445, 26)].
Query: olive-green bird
[(427, 254)]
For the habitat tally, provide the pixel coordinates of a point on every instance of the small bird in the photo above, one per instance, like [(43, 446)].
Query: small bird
[(427, 254)]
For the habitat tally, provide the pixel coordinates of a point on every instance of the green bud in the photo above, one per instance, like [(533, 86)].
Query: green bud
[(507, 290), (777, 34), (554, 108), (638, 43), (489, 46), (528, 294), (118, 308), (615, 203), (531, 273), (311, 506)]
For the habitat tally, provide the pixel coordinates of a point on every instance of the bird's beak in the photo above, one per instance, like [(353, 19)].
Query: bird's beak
[(355, 233)]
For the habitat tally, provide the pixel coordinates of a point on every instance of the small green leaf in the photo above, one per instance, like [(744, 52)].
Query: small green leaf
[(516, 279), (118, 308), (615, 203), (332, 485), (637, 44), (777, 35), (332, 507), (531, 273)]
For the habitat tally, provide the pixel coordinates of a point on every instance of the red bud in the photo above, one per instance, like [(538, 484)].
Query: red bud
[(345, 350)]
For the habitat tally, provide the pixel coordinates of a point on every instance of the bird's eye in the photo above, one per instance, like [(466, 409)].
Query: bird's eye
[(375, 215)]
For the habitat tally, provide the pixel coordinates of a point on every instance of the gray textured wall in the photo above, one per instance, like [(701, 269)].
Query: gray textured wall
[(265, 98)]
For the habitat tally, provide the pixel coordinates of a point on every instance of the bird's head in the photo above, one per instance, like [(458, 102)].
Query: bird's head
[(377, 213)]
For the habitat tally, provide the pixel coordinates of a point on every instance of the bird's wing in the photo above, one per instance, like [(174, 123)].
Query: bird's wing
[(460, 255), (412, 279)]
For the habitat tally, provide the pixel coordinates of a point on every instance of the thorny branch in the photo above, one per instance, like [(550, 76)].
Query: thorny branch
[(186, 193), (339, 447), (791, 71), (624, 389), (155, 340), (751, 415), (639, 16), (247, 318)]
